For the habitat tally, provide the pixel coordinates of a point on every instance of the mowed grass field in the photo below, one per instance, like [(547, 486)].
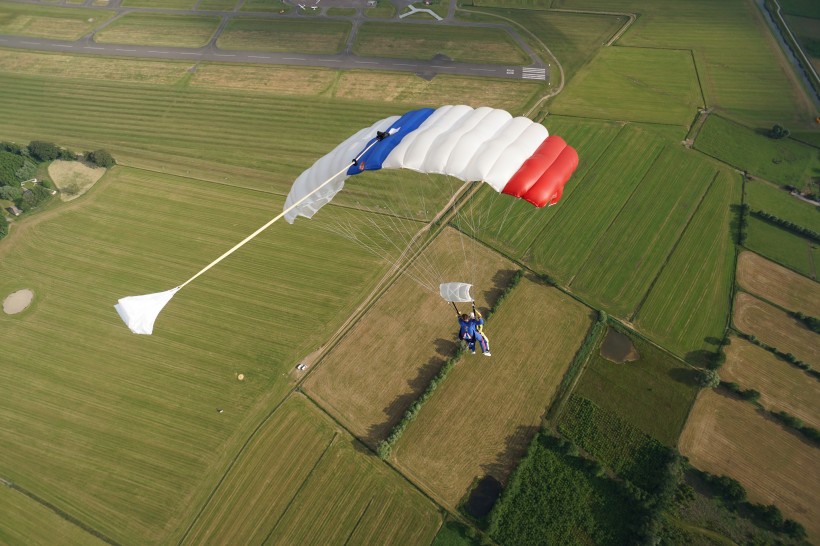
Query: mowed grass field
[(389, 356), (49, 22), (776, 284), (164, 4), (782, 386), (653, 393), (784, 161), (462, 44), (774, 327), (284, 481), (728, 436), (634, 84), (630, 254), (688, 304), (777, 201), (739, 64), (783, 247), (159, 30), (25, 521), (316, 37), (121, 431), (486, 412)]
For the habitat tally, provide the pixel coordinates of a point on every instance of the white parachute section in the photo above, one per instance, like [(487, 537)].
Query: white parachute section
[(455, 292), (140, 312)]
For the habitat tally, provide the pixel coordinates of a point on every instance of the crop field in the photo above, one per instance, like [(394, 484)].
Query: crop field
[(574, 38), (159, 30), (217, 5), (513, 225), (282, 36), (164, 4), (26, 521), (628, 257), (265, 5), (784, 161), (783, 247), (725, 435), (632, 454), (689, 302), (120, 430), (463, 44), (388, 358), (777, 284), (776, 201), (49, 22), (781, 385), (486, 412), (774, 327), (633, 84), (653, 393), (282, 480), (740, 66)]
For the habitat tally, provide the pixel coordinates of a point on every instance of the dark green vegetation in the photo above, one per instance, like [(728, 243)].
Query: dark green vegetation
[(18, 165), (776, 200), (653, 393)]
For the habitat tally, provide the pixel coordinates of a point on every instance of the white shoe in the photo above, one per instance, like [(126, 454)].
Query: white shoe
[(472, 352), (487, 353)]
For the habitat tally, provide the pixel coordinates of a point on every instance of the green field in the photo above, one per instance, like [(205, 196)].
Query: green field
[(159, 30), (463, 44), (341, 12), (280, 480), (582, 220), (49, 22), (217, 5), (626, 260), (384, 10), (120, 430), (164, 4), (634, 84), (283, 36), (783, 161), (265, 5), (689, 302), (653, 393), (776, 201), (801, 8), (783, 247)]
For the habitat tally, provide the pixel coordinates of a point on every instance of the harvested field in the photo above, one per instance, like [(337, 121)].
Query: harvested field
[(387, 359), (725, 435), (284, 36), (278, 80), (774, 327), (59, 23), (159, 30), (777, 284), (481, 419), (73, 178), (782, 386)]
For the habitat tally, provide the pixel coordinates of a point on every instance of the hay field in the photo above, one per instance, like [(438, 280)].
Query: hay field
[(73, 178), (389, 356), (281, 483), (462, 44), (777, 284), (781, 385), (628, 257), (164, 4), (774, 327), (481, 419), (121, 431), (775, 200), (317, 37), (159, 30), (689, 302), (725, 435), (631, 84), (49, 22), (781, 246)]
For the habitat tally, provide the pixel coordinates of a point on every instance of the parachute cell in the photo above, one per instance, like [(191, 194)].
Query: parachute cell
[(455, 292), (515, 156)]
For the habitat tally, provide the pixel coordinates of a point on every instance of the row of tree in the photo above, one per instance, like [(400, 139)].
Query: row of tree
[(787, 225)]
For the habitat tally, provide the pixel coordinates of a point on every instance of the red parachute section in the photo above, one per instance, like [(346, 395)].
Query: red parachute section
[(541, 178)]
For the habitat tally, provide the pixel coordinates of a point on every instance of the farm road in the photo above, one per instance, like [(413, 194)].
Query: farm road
[(86, 45)]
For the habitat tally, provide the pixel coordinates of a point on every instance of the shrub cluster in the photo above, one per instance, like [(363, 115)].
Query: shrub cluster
[(742, 223), (812, 323), (747, 394), (791, 421), (787, 225), (386, 446)]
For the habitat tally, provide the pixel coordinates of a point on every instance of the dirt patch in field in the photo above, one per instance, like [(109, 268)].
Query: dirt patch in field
[(777, 284), (17, 302), (726, 435), (618, 348), (388, 358), (481, 419), (73, 178), (774, 327), (782, 386)]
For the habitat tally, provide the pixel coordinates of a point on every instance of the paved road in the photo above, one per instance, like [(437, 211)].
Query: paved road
[(345, 60)]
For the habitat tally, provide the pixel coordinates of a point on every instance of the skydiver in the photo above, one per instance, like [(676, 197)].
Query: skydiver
[(479, 335), (466, 330)]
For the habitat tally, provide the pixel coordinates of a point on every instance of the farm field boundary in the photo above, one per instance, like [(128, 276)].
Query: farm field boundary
[(778, 285)]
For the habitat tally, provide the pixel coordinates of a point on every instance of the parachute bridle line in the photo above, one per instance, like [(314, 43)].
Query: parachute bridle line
[(278, 217)]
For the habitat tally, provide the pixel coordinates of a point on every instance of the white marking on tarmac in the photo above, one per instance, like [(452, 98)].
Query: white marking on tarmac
[(162, 52), (403, 64), (366, 62), (330, 60), (31, 43), (62, 45), (184, 53), (436, 66), (483, 69), (258, 57), (89, 47), (126, 50), (223, 55), (292, 59)]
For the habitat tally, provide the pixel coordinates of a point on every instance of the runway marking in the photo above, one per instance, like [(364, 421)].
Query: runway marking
[(483, 69), (126, 50), (62, 45), (403, 64), (292, 59), (163, 52), (366, 62), (436, 66), (184, 53), (223, 55), (31, 43), (528, 73), (330, 60), (257, 57), (89, 47)]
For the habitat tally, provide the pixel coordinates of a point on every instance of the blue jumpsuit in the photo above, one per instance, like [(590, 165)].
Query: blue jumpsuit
[(477, 336)]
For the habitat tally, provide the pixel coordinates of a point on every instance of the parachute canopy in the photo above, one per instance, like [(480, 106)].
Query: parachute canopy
[(515, 156), (456, 292), (140, 312)]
